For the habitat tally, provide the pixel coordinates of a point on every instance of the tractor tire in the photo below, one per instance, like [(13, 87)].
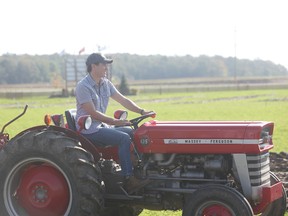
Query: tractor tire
[(47, 173), (279, 206), (216, 200)]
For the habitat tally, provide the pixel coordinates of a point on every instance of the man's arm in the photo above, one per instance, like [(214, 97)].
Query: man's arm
[(90, 109), (127, 103)]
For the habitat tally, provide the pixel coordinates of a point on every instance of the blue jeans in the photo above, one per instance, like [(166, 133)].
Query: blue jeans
[(120, 136)]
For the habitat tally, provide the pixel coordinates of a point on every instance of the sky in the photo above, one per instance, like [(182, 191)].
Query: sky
[(246, 29)]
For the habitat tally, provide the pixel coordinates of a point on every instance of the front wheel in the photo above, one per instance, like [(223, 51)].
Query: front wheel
[(278, 207), (47, 173), (216, 200)]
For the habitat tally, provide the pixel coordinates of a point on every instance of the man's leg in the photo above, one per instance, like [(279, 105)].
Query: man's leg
[(115, 137)]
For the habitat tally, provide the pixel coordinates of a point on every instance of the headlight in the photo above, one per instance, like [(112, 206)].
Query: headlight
[(84, 122)]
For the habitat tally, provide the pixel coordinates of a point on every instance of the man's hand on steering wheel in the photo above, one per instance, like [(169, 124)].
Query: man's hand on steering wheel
[(146, 114)]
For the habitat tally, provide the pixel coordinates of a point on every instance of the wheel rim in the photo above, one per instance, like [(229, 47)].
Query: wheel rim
[(37, 186), (215, 209)]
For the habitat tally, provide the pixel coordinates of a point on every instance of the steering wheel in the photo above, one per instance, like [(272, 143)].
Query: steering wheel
[(135, 121)]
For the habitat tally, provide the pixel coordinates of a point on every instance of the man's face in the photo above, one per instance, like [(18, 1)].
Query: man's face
[(100, 69)]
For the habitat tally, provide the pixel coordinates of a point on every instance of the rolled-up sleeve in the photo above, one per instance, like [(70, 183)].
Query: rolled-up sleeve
[(83, 93), (112, 88)]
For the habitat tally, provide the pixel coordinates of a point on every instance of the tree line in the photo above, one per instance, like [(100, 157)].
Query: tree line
[(21, 69)]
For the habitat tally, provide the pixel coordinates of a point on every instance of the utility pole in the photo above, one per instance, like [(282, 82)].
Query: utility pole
[(235, 54)]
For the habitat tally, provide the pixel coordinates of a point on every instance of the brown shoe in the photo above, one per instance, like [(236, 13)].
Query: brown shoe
[(133, 184)]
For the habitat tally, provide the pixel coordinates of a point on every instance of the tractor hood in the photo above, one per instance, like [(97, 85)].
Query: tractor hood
[(204, 137)]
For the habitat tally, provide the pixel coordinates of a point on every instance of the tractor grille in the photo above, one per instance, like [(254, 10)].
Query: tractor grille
[(258, 166)]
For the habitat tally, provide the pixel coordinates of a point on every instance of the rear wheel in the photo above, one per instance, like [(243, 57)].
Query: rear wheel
[(278, 207), (46, 173), (216, 200)]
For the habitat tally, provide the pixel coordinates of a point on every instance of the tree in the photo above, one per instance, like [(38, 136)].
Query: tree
[(123, 87)]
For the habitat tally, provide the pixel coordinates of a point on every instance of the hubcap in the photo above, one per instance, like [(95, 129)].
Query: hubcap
[(40, 193), (37, 187)]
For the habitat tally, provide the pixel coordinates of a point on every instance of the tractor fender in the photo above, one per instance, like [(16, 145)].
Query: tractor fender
[(86, 144)]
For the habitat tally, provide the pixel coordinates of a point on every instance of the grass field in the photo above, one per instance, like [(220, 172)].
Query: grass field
[(266, 105)]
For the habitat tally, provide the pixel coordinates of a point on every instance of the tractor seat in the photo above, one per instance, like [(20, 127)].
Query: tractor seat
[(71, 122), (70, 118)]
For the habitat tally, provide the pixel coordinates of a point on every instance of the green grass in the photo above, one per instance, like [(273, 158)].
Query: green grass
[(266, 105), (161, 213)]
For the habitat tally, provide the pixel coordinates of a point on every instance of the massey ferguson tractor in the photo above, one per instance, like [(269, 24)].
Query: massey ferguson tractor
[(211, 168)]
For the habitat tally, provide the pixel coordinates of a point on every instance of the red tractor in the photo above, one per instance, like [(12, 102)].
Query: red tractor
[(204, 168)]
